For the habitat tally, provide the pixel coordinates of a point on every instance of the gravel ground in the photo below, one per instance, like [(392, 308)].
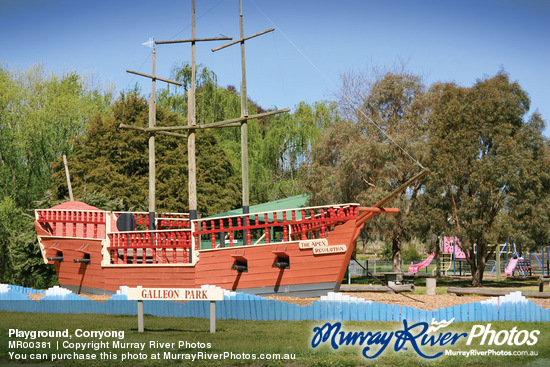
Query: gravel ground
[(420, 301)]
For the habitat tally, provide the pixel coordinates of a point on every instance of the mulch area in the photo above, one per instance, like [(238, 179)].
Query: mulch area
[(420, 301), (97, 298)]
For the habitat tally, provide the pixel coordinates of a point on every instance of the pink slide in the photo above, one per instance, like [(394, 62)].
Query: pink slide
[(511, 266), (416, 267)]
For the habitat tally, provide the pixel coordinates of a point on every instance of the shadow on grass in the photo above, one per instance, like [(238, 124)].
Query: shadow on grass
[(463, 282)]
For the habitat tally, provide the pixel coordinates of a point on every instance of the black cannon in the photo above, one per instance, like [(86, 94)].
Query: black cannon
[(281, 264), (240, 268), (83, 261), (56, 258)]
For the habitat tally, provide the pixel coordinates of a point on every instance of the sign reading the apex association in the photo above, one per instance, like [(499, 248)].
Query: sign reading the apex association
[(175, 294)]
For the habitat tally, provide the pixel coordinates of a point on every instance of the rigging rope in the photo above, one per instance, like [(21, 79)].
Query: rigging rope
[(337, 88), (141, 67), (199, 17)]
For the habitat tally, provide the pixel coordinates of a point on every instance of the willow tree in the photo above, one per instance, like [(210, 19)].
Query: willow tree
[(277, 145), (287, 140), (40, 115), (491, 171), (368, 155)]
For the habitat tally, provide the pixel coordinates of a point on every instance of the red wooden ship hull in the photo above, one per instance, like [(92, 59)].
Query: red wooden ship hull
[(299, 252)]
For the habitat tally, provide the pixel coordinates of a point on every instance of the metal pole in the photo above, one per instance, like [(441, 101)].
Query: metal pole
[(543, 274), (498, 262), (454, 256), (191, 122)]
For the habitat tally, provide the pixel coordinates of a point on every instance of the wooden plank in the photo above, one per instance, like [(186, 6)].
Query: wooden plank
[(144, 129), (211, 125), (316, 310), (189, 40), (242, 39), (375, 288), (493, 292), (153, 77), (376, 311)]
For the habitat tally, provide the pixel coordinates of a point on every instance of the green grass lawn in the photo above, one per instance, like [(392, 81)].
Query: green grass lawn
[(244, 339)]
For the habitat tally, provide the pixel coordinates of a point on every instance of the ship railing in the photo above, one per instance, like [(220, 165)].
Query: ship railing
[(172, 246), (162, 220), (73, 223), (273, 226)]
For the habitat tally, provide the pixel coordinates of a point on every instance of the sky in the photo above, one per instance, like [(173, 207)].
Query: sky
[(314, 43)]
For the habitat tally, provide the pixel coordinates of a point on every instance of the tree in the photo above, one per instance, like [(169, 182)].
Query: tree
[(277, 145), (287, 140), (39, 116), (490, 168), (354, 161), (114, 162), (11, 215)]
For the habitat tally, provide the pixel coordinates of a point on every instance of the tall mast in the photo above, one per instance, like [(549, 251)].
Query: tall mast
[(244, 123), (191, 115), (244, 108), (191, 119), (152, 125), (191, 122)]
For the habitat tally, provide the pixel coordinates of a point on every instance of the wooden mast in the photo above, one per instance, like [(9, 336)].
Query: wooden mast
[(191, 117), (152, 124), (244, 124), (152, 160), (244, 107), (192, 125), (191, 121)]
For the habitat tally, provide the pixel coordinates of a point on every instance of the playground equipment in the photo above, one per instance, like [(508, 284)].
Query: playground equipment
[(452, 260), (512, 264), (413, 269), (523, 265), (451, 254)]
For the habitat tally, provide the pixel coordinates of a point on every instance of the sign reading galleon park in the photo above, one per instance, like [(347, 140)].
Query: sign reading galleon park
[(175, 294)]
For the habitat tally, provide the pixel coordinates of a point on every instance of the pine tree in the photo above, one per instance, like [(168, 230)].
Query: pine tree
[(114, 162)]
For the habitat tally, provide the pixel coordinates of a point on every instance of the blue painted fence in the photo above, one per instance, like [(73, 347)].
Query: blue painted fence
[(243, 306)]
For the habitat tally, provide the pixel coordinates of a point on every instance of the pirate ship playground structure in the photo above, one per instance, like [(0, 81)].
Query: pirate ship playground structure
[(300, 251)]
